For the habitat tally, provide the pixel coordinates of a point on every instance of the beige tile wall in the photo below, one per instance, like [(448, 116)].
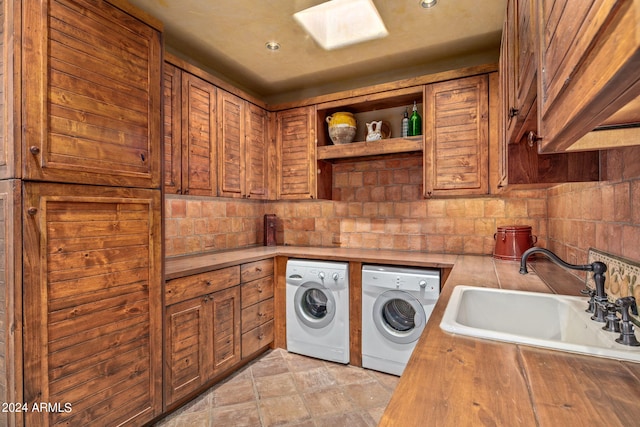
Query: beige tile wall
[(604, 215), (378, 205)]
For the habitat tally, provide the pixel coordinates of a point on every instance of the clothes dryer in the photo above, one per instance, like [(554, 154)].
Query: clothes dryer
[(396, 304)]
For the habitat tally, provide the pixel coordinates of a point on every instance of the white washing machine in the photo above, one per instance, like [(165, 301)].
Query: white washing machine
[(396, 304), (318, 309)]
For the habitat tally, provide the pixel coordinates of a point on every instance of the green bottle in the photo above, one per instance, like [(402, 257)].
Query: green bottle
[(415, 122)]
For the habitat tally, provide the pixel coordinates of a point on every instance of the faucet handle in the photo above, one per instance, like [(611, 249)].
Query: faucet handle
[(613, 323), (592, 299), (627, 336)]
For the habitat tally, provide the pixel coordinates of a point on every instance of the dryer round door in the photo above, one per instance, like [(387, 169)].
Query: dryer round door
[(314, 304), (399, 316)]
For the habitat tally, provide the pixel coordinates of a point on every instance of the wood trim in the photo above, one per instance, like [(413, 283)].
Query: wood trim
[(384, 87), (280, 302), (355, 313)]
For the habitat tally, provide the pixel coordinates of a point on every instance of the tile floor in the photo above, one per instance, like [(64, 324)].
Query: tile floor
[(287, 389)]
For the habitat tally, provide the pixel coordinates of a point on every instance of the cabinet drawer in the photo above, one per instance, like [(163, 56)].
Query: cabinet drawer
[(256, 270), (257, 338), (257, 314), (256, 291), (184, 288)]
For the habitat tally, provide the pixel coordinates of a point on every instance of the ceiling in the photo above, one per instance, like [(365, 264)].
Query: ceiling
[(228, 37)]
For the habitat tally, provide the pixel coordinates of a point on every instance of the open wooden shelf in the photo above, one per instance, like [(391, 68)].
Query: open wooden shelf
[(374, 148)]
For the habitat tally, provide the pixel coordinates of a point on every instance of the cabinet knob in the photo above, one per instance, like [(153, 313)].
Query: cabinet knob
[(34, 149), (32, 211), (513, 112), (260, 337), (208, 282), (532, 138)]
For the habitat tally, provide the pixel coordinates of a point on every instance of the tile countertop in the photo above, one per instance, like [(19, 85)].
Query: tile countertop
[(460, 381)]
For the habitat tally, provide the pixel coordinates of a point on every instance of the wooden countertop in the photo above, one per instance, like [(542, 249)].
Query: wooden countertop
[(193, 264), (453, 380), (460, 381)]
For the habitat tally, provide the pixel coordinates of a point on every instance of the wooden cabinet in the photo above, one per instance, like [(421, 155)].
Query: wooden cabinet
[(456, 137), (190, 133), (518, 62), (519, 159), (242, 152), (80, 161), (589, 53), (213, 320), (296, 164), (198, 122), (92, 303), (172, 101), (202, 331), (257, 306), (90, 95)]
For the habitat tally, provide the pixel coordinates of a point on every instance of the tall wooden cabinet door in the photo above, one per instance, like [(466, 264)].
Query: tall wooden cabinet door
[(225, 318), (456, 137), (91, 79), (257, 144), (231, 145), (198, 136), (172, 99), (92, 303), (296, 143), (187, 339)]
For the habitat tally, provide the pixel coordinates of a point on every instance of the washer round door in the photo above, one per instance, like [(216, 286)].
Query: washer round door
[(399, 316), (315, 305)]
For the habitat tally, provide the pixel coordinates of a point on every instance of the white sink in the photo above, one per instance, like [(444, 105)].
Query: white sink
[(544, 320)]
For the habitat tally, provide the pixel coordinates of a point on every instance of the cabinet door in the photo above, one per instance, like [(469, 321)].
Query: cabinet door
[(198, 136), (296, 153), (518, 70), (91, 95), (588, 67), (172, 129), (188, 342), (225, 318), (92, 303), (257, 143), (456, 137), (231, 145)]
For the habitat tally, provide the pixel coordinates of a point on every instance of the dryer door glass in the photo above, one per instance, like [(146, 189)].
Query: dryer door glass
[(399, 316), (315, 305)]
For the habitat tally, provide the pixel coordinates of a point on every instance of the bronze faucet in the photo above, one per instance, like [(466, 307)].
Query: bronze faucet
[(599, 300)]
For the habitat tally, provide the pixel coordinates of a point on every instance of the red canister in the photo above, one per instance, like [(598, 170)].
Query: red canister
[(512, 241)]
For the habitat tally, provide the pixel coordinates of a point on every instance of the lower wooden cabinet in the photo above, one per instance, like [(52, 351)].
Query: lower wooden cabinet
[(213, 320), (202, 339)]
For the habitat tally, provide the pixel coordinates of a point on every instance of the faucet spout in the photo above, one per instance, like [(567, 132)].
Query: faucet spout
[(598, 268)]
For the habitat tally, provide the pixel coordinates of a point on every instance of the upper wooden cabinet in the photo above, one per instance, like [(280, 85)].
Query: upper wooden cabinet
[(456, 137), (190, 133), (91, 79), (296, 152), (172, 100), (242, 148), (518, 69), (588, 59), (199, 146)]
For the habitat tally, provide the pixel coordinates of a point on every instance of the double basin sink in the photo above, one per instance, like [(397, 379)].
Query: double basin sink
[(550, 321)]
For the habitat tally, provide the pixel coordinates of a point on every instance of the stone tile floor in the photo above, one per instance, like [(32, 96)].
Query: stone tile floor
[(287, 389)]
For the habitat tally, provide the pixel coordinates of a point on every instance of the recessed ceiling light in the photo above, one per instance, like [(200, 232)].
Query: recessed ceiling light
[(339, 23), (428, 3), (272, 46)]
